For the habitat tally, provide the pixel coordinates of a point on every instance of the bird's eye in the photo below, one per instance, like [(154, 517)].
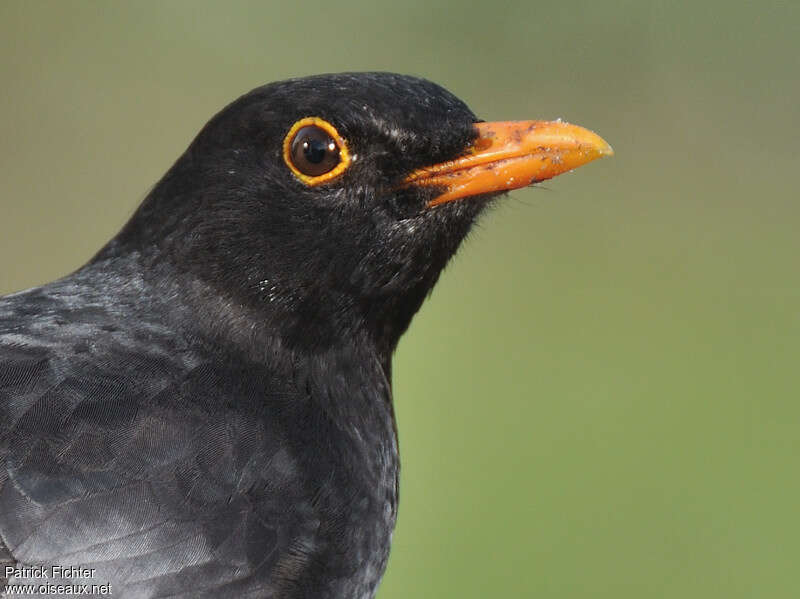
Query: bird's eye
[(314, 151)]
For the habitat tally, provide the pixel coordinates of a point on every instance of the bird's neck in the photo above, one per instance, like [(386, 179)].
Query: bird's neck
[(257, 321)]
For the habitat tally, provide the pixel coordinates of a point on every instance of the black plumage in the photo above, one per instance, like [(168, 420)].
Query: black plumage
[(204, 409)]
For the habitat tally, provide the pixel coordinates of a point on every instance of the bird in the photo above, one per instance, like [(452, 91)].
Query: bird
[(205, 408)]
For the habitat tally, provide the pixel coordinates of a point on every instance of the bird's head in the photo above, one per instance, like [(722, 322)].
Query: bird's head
[(326, 207)]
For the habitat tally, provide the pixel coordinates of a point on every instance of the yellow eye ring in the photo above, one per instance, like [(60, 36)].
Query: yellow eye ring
[(319, 147)]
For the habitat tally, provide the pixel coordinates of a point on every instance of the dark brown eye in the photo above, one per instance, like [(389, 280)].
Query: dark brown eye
[(314, 151)]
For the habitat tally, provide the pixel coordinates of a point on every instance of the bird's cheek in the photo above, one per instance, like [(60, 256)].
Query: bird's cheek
[(408, 203)]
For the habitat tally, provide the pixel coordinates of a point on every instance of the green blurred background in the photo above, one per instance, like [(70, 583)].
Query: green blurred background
[(601, 397)]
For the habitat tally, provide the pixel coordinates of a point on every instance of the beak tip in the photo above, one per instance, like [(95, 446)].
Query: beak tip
[(606, 149), (599, 145)]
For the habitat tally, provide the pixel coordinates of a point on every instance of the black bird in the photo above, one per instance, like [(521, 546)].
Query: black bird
[(205, 409)]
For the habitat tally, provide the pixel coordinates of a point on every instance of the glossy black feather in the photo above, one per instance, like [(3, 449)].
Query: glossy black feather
[(204, 409)]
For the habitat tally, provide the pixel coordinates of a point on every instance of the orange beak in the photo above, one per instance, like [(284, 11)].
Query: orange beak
[(512, 154)]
